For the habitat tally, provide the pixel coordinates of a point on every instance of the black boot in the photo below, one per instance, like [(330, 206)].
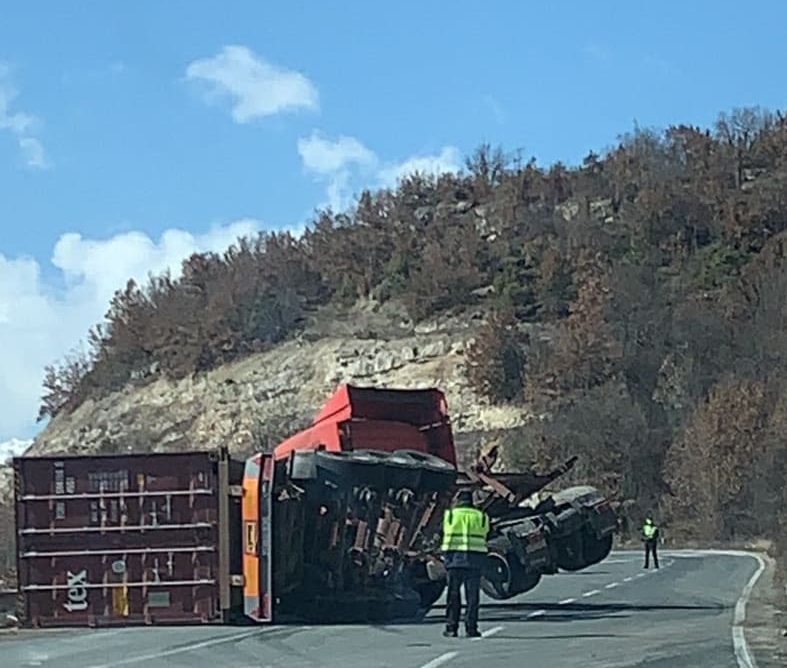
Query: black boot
[(473, 633), (449, 632)]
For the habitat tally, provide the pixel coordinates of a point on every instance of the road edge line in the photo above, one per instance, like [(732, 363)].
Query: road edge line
[(742, 652)]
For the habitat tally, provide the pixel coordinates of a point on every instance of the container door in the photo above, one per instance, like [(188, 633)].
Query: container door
[(130, 539)]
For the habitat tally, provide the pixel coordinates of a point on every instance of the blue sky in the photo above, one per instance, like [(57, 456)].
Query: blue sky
[(120, 123)]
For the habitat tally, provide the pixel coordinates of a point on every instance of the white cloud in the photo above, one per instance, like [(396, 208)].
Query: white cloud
[(326, 156), (448, 160), (20, 124), (39, 322), (13, 448), (336, 163), (255, 87), (346, 165)]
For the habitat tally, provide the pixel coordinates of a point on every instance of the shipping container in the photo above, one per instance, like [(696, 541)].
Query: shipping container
[(128, 539)]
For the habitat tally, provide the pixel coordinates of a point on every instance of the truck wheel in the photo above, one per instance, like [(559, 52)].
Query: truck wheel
[(497, 579), (570, 551), (436, 473), (596, 549), (503, 576), (350, 467), (402, 470), (304, 466), (430, 592)]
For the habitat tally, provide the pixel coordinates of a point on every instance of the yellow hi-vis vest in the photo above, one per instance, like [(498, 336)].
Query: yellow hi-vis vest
[(648, 530), (465, 530)]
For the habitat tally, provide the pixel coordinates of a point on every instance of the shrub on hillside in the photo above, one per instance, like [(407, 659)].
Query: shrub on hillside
[(712, 465), (496, 359)]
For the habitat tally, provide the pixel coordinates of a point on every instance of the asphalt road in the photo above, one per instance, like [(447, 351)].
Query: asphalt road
[(612, 615)]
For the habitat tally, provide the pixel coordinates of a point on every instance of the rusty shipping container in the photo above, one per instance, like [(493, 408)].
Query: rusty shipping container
[(129, 539)]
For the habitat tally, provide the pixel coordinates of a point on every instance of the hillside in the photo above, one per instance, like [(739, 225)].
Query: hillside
[(635, 303), (253, 402)]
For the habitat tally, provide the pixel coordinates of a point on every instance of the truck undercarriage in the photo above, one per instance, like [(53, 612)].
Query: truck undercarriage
[(359, 532)]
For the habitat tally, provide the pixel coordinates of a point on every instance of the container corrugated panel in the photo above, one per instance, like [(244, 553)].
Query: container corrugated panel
[(128, 539)]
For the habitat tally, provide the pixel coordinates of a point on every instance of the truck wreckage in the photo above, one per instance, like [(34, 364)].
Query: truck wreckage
[(340, 522)]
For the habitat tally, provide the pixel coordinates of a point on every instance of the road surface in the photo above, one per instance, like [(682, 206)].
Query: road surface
[(612, 615)]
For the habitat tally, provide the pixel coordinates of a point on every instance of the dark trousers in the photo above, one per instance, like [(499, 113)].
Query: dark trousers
[(471, 579), (651, 548)]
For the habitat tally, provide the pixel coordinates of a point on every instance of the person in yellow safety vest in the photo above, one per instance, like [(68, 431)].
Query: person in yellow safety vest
[(650, 536), (465, 529)]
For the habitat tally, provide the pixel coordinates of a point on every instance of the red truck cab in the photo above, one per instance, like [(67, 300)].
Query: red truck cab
[(378, 419)]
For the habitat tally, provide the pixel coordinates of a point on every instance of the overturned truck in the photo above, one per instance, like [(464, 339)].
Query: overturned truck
[(352, 510), (340, 522)]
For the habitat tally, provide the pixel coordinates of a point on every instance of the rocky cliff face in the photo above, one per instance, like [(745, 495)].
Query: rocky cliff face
[(253, 403)]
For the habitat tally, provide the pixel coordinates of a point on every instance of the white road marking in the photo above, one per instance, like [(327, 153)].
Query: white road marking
[(628, 579), (566, 601), (536, 613), (490, 632), (178, 650), (440, 660), (612, 585), (742, 654), (593, 592), (640, 575)]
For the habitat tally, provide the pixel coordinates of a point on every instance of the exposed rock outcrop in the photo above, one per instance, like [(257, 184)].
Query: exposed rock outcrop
[(254, 402)]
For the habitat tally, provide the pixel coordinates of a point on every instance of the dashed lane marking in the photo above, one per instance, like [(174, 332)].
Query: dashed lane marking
[(536, 613), (566, 601), (592, 592), (612, 585), (490, 632), (628, 579), (440, 660)]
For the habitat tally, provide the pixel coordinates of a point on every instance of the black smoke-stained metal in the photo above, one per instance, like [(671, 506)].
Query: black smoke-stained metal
[(131, 539)]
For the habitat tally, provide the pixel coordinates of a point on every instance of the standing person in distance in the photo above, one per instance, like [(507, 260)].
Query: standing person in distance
[(650, 536), (465, 529)]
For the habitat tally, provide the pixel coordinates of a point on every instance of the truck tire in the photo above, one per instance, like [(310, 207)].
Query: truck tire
[(596, 549), (503, 576), (429, 593), (403, 471), (436, 473), (570, 552), (303, 465), (429, 590), (350, 467)]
